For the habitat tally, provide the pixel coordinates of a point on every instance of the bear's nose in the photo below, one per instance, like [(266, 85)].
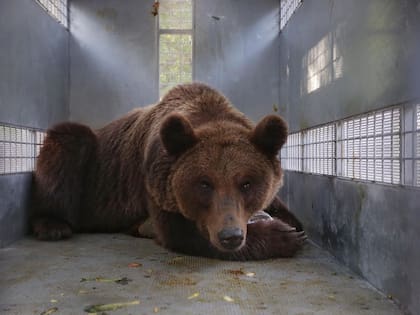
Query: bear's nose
[(230, 238)]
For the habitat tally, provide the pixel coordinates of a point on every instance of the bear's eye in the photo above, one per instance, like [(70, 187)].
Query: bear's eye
[(204, 184), (246, 186)]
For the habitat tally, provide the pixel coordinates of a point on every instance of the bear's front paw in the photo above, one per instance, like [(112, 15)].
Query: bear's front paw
[(48, 229), (276, 238)]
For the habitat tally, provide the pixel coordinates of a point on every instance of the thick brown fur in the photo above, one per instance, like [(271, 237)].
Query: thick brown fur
[(192, 164)]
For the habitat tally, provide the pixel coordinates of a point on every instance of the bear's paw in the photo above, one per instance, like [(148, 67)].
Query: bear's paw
[(274, 238)]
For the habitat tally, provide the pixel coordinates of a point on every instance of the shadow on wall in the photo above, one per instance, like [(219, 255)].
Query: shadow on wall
[(237, 52), (113, 59)]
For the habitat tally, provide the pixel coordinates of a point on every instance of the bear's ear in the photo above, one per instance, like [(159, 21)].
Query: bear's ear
[(177, 134), (270, 134)]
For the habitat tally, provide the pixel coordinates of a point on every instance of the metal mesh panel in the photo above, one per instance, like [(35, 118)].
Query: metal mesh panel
[(319, 150), (19, 148), (370, 147), (57, 9), (418, 118), (417, 172), (375, 146), (175, 60), (175, 14), (287, 8), (291, 153)]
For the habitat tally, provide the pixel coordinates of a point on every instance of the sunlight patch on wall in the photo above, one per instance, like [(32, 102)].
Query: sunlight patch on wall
[(322, 64)]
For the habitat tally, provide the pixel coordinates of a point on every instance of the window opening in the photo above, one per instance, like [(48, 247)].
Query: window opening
[(370, 146), (57, 9), (287, 8), (319, 150), (175, 43), (365, 147), (291, 153), (19, 148), (417, 172)]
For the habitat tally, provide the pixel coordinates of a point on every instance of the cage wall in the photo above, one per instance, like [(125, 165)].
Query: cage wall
[(114, 56), (332, 60), (339, 59), (34, 76)]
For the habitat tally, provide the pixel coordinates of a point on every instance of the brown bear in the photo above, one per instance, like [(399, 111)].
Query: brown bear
[(192, 165)]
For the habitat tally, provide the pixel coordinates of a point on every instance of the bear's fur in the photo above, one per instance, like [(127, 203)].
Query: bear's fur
[(192, 165)]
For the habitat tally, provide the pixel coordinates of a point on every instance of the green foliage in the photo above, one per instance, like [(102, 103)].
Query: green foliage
[(175, 14), (175, 50)]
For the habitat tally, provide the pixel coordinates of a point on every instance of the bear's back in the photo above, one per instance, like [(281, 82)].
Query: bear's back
[(200, 104)]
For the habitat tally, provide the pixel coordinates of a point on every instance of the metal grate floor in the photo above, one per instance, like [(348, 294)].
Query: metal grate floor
[(66, 277)]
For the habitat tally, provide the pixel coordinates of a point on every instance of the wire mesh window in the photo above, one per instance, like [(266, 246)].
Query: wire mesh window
[(19, 148), (287, 8), (417, 172), (370, 147), (311, 150), (375, 146), (175, 43), (57, 9), (291, 153), (319, 150)]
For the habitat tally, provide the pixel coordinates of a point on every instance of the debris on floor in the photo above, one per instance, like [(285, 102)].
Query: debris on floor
[(134, 265), (50, 311), (227, 298), (122, 281), (169, 283), (194, 295), (109, 307)]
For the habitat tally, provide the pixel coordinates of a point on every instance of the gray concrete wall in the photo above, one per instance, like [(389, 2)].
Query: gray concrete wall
[(14, 198), (378, 41), (236, 51), (33, 92), (113, 58), (33, 65), (372, 228)]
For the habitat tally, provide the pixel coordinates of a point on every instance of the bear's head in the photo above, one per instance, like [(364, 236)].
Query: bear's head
[(223, 173)]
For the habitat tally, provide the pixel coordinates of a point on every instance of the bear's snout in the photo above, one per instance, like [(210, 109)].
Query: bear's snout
[(231, 238)]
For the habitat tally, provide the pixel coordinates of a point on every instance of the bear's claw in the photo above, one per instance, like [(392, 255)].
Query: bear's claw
[(279, 239)]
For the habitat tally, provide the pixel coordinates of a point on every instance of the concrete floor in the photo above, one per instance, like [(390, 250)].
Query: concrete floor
[(66, 277)]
